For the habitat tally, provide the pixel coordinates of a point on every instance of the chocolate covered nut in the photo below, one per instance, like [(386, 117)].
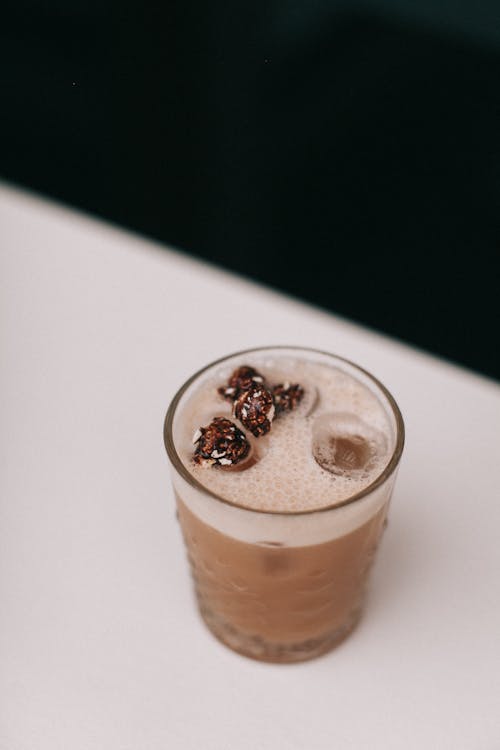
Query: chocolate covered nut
[(221, 443), (287, 396), (241, 380), (255, 409)]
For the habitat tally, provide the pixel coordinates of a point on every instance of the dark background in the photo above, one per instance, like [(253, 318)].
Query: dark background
[(346, 153)]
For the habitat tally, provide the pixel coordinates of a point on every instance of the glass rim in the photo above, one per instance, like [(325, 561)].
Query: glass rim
[(379, 480)]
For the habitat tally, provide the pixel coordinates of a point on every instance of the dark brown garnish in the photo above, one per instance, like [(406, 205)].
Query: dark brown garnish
[(241, 380), (287, 397), (221, 443), (255, 409)]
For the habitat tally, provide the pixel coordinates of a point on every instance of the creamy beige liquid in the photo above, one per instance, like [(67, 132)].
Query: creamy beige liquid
[(284, 587), (279, 603)]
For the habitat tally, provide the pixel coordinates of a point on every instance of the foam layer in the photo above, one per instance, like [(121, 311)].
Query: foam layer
[(286, 477)]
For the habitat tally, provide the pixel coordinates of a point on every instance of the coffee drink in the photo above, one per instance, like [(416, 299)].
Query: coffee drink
[(282, 479)]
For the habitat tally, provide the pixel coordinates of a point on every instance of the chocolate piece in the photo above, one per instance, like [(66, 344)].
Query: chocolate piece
[(287, 397), (221, 443), (241, 380), (255, 409)]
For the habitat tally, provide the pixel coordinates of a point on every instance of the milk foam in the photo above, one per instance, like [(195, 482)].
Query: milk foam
[(286, 478)]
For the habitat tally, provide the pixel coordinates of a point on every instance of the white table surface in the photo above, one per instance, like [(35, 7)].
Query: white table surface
[(100, 644)]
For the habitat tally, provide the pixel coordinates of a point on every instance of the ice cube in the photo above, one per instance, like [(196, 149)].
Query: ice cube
[(309, 401), (345, 445)]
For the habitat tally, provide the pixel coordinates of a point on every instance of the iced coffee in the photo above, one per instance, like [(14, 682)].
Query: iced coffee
[(283, 463)]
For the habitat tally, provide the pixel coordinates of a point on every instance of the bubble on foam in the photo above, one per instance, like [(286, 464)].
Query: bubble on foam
[(287, 475)]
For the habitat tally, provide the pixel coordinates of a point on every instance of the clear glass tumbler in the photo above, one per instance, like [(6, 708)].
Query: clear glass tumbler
[(281, 586)]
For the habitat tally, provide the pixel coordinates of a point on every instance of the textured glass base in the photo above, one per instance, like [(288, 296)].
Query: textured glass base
[(258, 648)]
